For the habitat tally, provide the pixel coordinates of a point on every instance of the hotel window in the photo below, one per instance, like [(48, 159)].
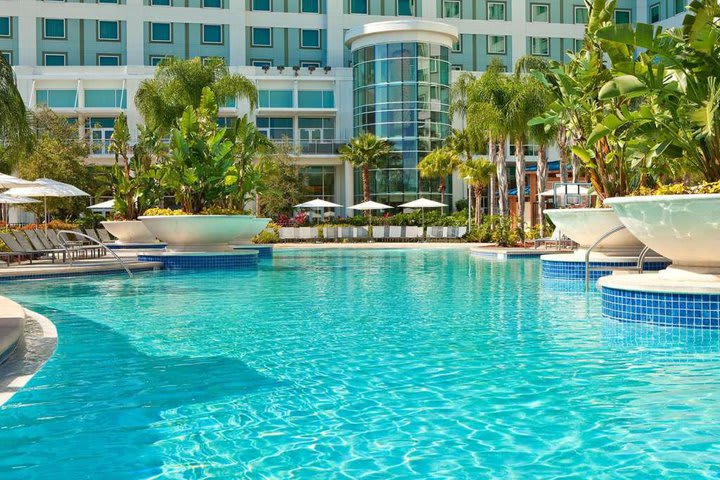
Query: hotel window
[(539, 12), (309, 64), (310, 38), (275, 98), (623, 16), (457, 46), (406, 7), (161, 3), (316, 99), (262, 5), (496, 11), (155, 60), (115, 2), (108, 30), (54, 59), (261, 37), (457, 68), (310, 6), (261, 63), (54, 28), (578, 44), (655, 13), (451, 9), (580, 14), (275, 128), (679, 6), (212, 34), (496, 44), (104, 60), (7, 56), (212, 4), (161, 32), (358, 6), (5, 27), (540, 46)]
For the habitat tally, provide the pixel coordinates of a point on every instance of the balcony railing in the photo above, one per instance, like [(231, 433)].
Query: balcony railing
[(314, 147)]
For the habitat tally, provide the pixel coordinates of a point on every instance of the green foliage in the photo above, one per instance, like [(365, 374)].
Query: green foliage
[(439, 164), (179, 84), (90, 220), (215, 210), (268, 236), (497, 229), (160, 212), (17, 138), (283, 182), (680, 189), (367, 151)]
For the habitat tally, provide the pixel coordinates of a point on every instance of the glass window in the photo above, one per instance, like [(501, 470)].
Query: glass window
[(310, 38), (109, 1), (358, 6), (7, 56), (539, 12), (55, 59), (451, 8), (212, 4), (316, 99), (108, 60), (54, 28), (679, 6), (5, 26), (581, 15), (622, 16), (275, 127), (108, 30), (310, 6), (496, 44), (406, 7), (540, 46), (106, 98), (655, 13), (161, 32), (275, 98), (156, 59), (56, 98), (212, 34), (161, 3), (262, 5), (305, 64), (261, 37), (496, 11), (457, 47), (261, 63)]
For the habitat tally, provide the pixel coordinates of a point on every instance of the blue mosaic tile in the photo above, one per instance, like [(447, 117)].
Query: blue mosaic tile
[(203, 261), (264, 251), (563, 270), (145, 246), (659, 308)]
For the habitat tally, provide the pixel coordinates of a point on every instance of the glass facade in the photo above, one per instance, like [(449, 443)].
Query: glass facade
[(402, 93)]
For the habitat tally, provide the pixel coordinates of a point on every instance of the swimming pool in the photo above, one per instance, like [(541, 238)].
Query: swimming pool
[(348, 364)]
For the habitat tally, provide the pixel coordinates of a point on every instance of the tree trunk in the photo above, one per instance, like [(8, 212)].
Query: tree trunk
[(502, 183), (575, 161), (442, 194), (366, 183), (562, 143), (478, 205), (493, 187), (520, 180), (542, 174)]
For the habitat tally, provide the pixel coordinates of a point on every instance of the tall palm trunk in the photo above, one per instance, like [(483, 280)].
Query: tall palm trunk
[(442, 194), (502, 179), (366, 183), (563, 146), (575, 162), (478, 204), (520, 177), (493, 178), (542, 174)]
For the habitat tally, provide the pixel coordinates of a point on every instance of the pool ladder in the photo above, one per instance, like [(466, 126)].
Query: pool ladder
[(639, 267), (65, 244)]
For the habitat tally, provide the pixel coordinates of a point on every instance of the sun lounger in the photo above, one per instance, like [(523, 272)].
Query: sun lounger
[(330, 234), (345, 233), (16, 250), (412, 233), (90, 232), (557, 240), (104, 235), (307, 234), (287, 234), (380, 232), (361, 233), (394, 233), (20, 244), (434, 233)]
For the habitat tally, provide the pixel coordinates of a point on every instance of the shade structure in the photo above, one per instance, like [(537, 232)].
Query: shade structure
[(569, 190), (423, 203), (370, 205), (47, 187), (8, 181), (13, 200), (317, 203), (103, 206)]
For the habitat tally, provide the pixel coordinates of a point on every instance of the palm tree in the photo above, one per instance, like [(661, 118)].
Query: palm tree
[(179, 83), (367, 151), (488, 98), (439, 164), (15, 133), (478, 172), (248, 143), (459, 96), (543, 135), (464, 143)]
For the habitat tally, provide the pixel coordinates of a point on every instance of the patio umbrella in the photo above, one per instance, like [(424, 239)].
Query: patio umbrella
[(369, 206), (8, 181), (105, 206), (570, 189), (46, 187), (12, 200), (319, 204), (422, 204)]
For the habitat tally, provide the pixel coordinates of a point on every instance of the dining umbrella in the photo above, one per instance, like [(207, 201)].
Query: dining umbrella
[(369, 206), (319, 204), (105, 206), (6, 200), (47, 187), (422, 204), (8, 181)]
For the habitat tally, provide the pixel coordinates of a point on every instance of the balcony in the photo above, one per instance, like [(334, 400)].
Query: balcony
[(314, 147)]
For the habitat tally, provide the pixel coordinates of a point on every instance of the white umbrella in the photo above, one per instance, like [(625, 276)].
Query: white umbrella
[(103, 206), (319, 204), (8, 181), (422, 204), (12, 200), (46, 187), (370, 205)]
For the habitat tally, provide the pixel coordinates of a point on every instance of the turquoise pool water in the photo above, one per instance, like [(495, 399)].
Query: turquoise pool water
[(367, 364)]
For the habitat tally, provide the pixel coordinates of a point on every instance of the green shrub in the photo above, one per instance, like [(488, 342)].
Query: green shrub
[(496, 229), (157, 212), (223, 211), (269, 235)]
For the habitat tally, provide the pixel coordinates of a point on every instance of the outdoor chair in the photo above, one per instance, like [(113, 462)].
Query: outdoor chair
[(90, 232), (309, 233), (345, 233), (394, 233), (16, 249), (361, 233), (434, 233), (413, 233), (20, 244), (462, 231), (287, 234), (77, 248), (557, 239), (330, 234), (104, 235), (380, 232)]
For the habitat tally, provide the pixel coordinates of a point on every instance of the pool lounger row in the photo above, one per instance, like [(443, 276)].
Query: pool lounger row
[(379, 233)]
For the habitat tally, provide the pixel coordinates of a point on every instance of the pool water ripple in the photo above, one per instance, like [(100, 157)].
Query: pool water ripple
[(358, 364)]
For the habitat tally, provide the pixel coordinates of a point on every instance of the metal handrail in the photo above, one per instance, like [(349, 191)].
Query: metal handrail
[(605, 235), (63, 243), (641, 259)]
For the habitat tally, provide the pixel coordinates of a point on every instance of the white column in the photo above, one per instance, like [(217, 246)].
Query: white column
[(135, 34), (429, 9), (237, 17), (641, 15), (335, 36), (27, 40), (518, 30)]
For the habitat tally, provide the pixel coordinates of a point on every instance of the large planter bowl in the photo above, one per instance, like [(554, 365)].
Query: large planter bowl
[(585, 226), (129, 231), (204, 233), (683, 228)]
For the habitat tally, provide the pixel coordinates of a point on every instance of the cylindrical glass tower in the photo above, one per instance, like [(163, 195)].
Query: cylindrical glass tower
[(401, 85)]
